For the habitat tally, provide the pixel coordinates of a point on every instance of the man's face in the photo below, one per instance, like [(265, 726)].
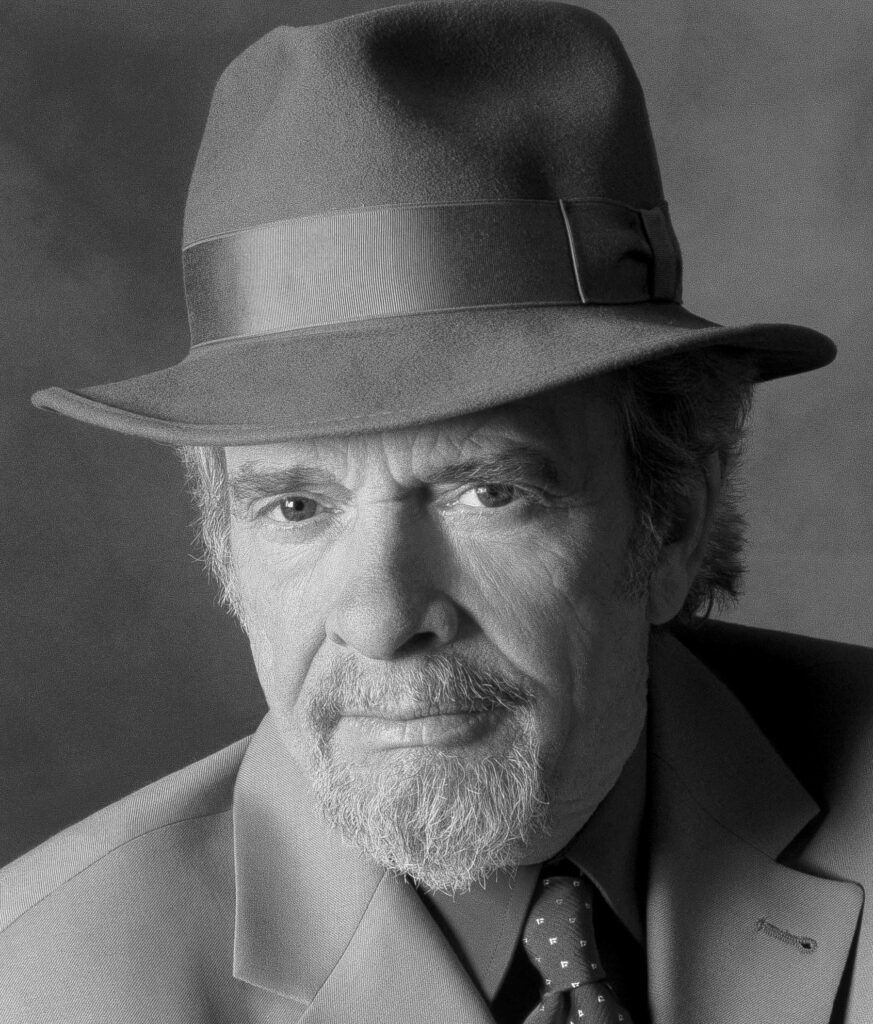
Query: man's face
[(441, 612)]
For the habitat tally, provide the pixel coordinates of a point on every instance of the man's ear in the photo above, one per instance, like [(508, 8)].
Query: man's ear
[(681, 556)]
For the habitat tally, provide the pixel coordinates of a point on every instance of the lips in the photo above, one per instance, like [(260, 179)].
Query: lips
[(412, 712), (375, 730)]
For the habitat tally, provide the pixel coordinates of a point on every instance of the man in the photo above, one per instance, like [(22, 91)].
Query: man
[(464, 465)]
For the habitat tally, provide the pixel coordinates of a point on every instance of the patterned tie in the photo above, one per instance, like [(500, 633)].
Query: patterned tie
[(559, 939)]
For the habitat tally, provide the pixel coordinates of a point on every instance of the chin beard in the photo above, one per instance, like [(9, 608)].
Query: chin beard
[(447, 820)]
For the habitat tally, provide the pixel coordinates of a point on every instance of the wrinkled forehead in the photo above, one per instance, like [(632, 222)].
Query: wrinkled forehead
[(567, 428)]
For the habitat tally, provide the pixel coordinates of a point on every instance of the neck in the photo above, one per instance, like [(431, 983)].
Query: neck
[(571, 813)]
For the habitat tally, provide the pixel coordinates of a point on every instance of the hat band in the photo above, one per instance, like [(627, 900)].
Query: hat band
[(386, 261)]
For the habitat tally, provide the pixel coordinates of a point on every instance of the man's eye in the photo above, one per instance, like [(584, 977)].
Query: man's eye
[(489, 496), (294, 509)]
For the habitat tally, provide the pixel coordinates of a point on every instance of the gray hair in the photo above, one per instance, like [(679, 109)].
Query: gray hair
[(676, 412)]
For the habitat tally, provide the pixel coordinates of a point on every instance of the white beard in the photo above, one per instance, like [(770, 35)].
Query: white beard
[(447, 820)]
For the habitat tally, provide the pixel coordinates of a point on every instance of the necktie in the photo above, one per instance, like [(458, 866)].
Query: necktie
[(559, 940)]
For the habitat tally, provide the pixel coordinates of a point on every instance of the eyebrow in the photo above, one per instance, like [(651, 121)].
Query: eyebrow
[(521, 464), (253, 482)]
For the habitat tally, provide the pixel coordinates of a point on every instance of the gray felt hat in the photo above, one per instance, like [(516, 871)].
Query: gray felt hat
[(416, 213)]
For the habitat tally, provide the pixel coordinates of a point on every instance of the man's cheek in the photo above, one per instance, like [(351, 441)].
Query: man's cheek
[(534, 598), (269, 583), (284, 634), (264, 657)]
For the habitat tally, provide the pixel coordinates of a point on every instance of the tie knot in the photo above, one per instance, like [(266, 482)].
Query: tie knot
[(559, 934)]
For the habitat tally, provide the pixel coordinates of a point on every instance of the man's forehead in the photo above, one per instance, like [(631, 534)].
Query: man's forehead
[(558, 424)]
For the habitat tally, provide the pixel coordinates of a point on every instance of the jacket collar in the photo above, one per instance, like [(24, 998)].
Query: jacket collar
[(732, 935), (323, 926), (725, 922)]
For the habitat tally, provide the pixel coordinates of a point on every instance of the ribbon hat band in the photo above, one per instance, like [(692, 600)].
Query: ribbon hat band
[(384, 261)]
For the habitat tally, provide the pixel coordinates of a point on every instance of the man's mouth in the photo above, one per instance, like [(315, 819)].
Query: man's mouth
[(399, 712), (391, 728)]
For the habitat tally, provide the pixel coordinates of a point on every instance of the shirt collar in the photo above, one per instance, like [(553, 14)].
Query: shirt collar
[(608, 848), (485, 924)]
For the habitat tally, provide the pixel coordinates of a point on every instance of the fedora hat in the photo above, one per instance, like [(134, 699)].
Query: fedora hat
[(415, 213)]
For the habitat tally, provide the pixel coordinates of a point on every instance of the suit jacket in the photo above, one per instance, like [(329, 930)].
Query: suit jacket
[(217, 894)]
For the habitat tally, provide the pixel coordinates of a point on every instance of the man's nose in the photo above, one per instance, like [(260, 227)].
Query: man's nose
[(390, 601)]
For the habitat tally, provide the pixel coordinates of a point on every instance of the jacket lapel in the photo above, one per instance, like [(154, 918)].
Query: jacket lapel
[(733, 936), (333, 935)]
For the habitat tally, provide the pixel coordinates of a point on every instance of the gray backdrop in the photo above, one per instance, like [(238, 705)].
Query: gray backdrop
[(118, 667)]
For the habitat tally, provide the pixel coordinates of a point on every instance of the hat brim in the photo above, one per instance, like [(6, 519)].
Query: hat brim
[(402, 371)]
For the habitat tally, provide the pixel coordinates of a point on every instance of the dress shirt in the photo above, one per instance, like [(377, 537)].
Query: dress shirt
[(484, 925)]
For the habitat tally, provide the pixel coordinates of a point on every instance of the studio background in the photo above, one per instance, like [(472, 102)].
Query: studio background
[(117, 665)]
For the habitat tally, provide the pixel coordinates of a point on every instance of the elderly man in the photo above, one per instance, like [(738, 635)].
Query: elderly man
[(465, 466)]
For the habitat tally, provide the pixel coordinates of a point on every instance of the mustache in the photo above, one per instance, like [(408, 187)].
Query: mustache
[(435, 684)]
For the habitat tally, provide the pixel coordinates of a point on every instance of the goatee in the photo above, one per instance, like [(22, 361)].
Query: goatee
[(446, 818)]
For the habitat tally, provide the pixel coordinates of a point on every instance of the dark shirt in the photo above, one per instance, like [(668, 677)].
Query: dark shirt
[(484, 926)]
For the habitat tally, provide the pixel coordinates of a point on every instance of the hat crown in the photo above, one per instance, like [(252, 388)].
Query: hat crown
[(437, 102), (419, 213)]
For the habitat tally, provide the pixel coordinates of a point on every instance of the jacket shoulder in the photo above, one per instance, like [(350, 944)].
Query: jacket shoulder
[(812, 698), (199, 790), (736, 648)]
